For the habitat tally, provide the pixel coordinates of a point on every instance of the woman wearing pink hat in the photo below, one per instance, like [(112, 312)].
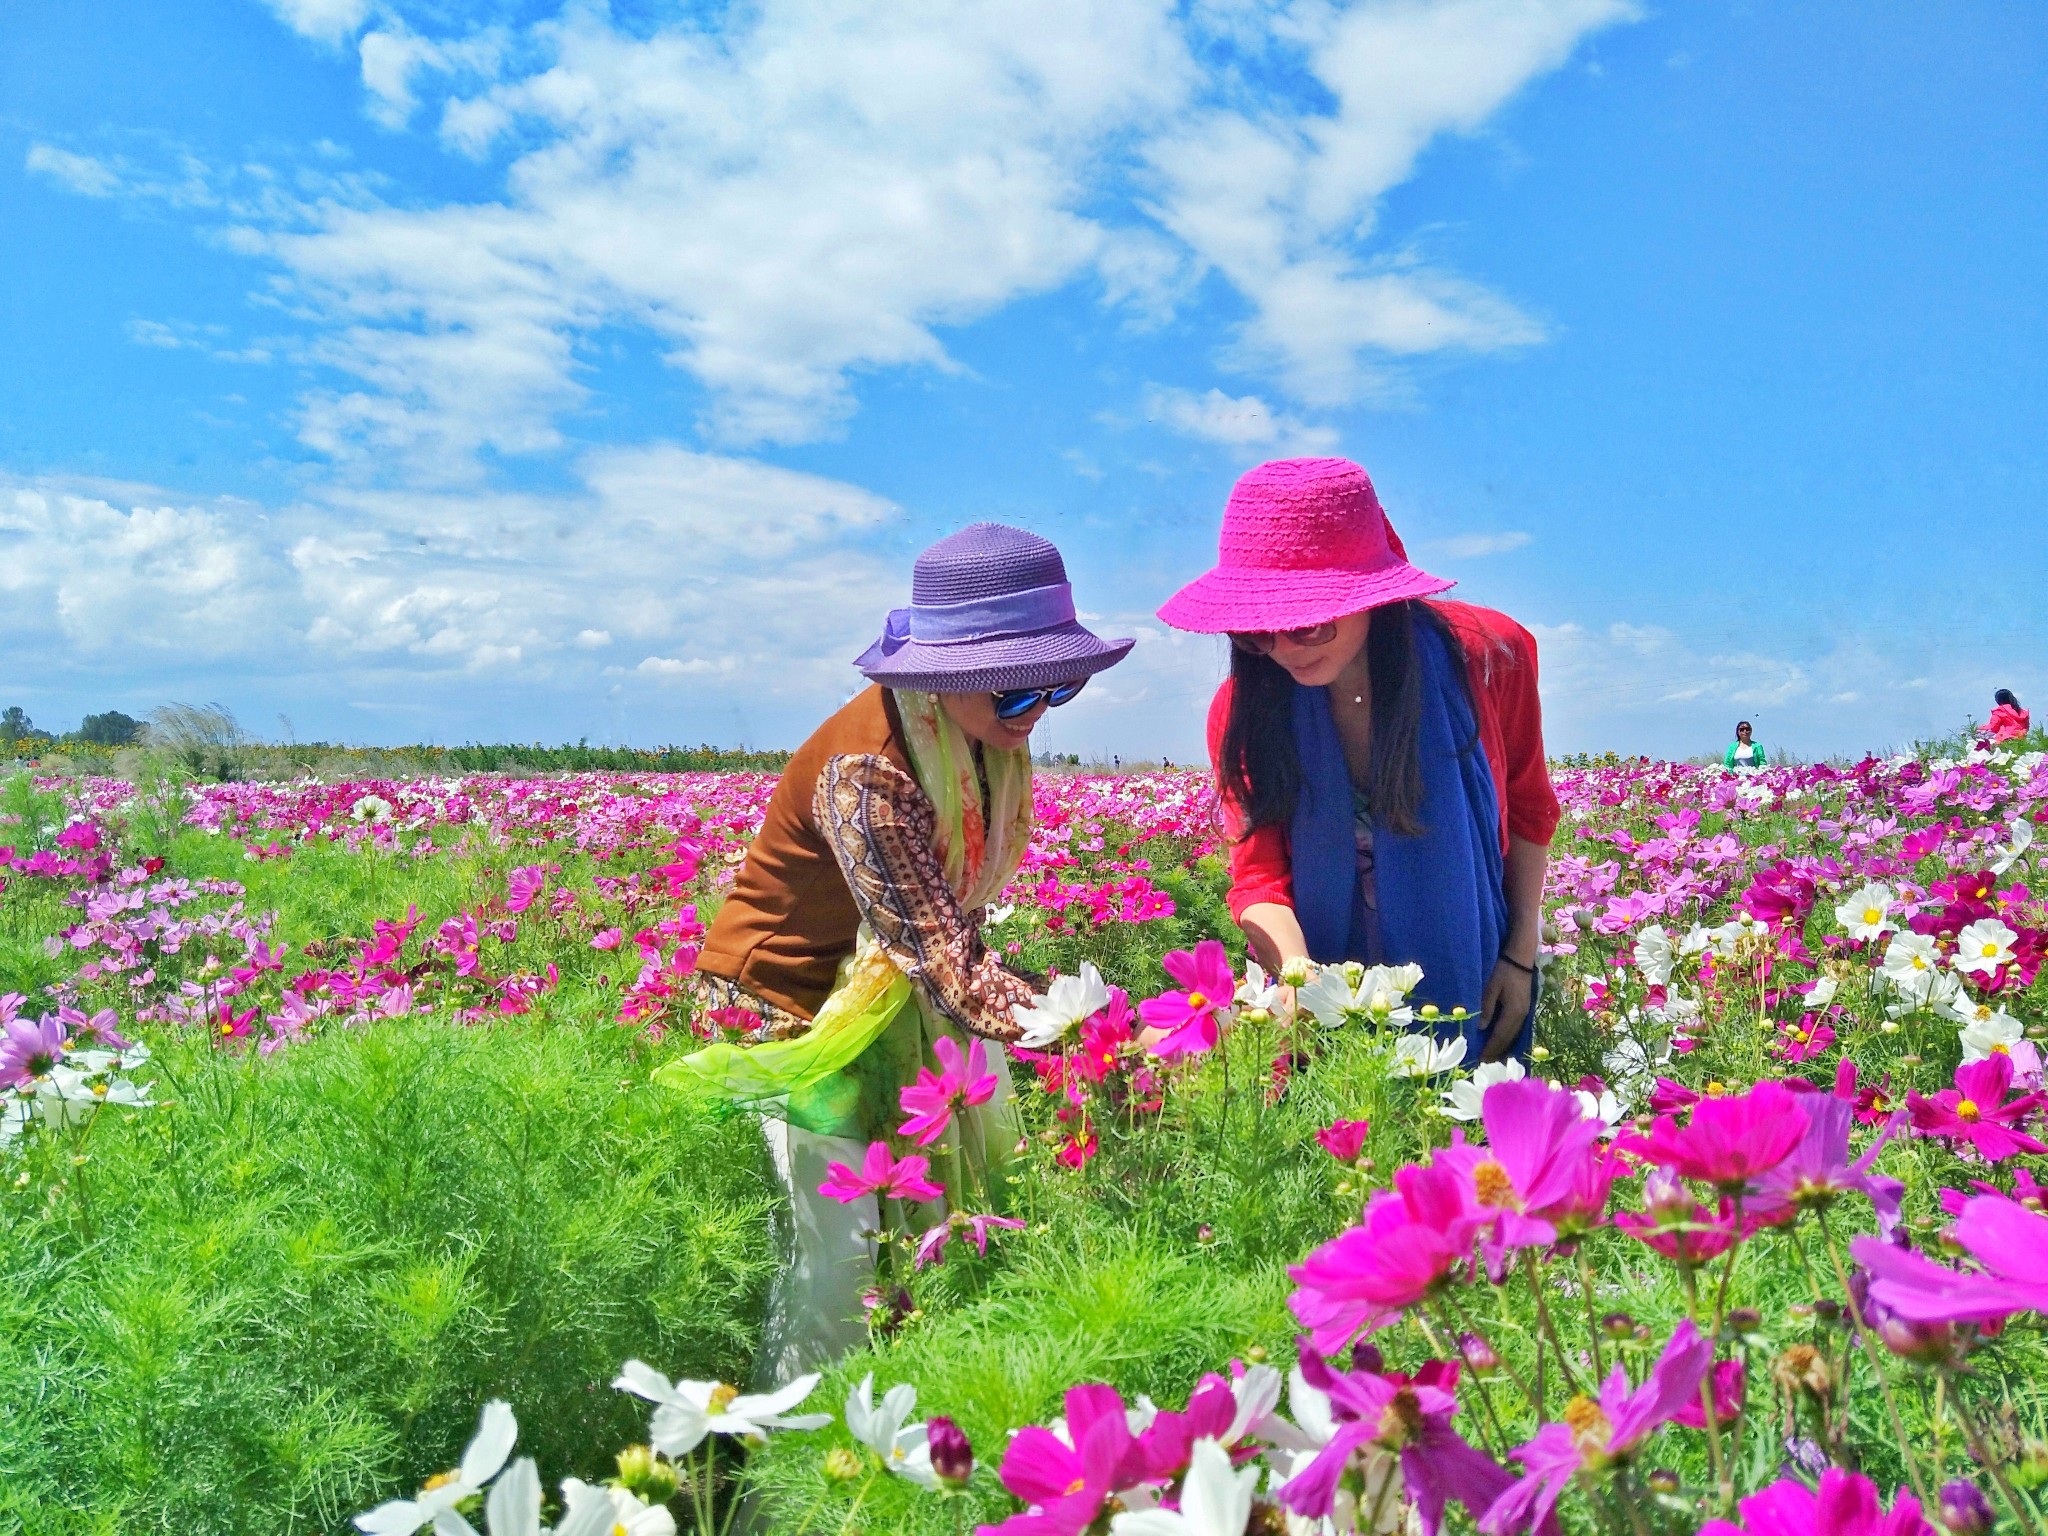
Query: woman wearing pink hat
[(1380, 756)]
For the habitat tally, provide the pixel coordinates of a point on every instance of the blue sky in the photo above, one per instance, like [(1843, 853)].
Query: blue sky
[(534, 371)]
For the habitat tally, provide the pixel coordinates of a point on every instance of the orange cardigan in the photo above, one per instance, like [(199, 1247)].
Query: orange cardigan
[(1501, 661)]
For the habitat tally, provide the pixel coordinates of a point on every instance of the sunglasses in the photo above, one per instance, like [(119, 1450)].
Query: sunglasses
[(1260, 642), (1016, 703)]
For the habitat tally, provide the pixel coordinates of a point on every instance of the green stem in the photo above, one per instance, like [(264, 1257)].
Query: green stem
[(1549, 1327), (1884, 1381), (859, 1499), (1592, 1324), (1995, 1466)]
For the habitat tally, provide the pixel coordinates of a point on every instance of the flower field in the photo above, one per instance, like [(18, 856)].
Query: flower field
[(331, 1160)]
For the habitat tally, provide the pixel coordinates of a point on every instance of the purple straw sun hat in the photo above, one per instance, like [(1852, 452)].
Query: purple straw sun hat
[(1304, 542), (990, 609)]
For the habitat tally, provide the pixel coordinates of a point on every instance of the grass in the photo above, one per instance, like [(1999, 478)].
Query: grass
[(285, 1297)]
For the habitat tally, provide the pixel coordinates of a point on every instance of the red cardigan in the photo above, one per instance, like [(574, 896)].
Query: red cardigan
[(1501, 659)]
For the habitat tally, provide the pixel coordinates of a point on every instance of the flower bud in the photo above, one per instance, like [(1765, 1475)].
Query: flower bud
[(1366, 1357), (645, 1475), (1477, 1353), (1964, 1509), (1662, 1480), (841, 1465), (1536, 1052), (1298, 972), (1617, 1325), (1801, 1367), (1744, 1320), (952, 1455)]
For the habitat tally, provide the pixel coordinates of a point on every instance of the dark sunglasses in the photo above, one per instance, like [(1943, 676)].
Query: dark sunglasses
[(1260, 642), (1016, 703)]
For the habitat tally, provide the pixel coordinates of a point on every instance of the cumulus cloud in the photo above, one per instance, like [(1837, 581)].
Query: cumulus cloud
[(324, 21), (1246, 423)]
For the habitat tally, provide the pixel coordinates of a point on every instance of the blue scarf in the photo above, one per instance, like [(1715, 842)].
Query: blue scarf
[(1442, 894)]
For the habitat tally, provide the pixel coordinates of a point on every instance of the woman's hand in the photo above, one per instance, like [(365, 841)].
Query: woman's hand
[(1504, 1005)]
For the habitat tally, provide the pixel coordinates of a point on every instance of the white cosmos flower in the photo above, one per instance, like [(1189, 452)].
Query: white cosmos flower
[(1463, 1099), (1605, 1106), (1995, 1036), (1655, 954), (1865, 913), (1909, 963), (902, 1446), (1984, 946), (589, 1509), (2022, 832), (1822, 992), (1258, 990), (1070, 999), (1349, 993), (686, 1411), (1215, 1500), (481, 1461), (1423, 1055)]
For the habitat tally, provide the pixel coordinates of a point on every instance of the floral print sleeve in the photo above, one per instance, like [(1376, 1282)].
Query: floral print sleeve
[(879, 825)]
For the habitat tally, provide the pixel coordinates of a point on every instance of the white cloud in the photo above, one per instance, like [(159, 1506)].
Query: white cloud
[(1238, 423), (671, 667), (81, 173), (325, 21), (593, 639), (1472, 546)]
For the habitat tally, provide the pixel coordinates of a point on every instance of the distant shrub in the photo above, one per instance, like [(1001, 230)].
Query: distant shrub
[(203, 740), (111, 729)]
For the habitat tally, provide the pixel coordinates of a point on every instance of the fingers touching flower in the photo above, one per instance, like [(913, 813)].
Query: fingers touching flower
[(1053, 1018)]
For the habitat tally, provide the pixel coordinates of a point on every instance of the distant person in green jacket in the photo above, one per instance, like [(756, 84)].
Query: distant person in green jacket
[(1744, 755)]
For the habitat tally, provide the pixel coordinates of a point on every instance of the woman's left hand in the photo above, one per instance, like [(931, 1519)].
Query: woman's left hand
[(1504, 1005)]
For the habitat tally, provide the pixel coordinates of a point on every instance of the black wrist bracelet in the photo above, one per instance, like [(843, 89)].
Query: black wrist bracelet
[(1526, 970)]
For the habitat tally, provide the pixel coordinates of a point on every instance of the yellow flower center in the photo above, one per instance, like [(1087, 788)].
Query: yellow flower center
[(1801, 1036), (1966, 1109), (1591, 1429), (227, 1029), (1401, 1421), (1490, 1182), (1197, 1000), (1077, 1485), (438, 1480), (1873, 915), (721, 1397), (2001, 1049), (1716, 1088), (1990, 951), (1919, 962)]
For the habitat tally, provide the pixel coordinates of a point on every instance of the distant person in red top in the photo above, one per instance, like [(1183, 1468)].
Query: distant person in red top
[(2008, 721), (1380, 757)]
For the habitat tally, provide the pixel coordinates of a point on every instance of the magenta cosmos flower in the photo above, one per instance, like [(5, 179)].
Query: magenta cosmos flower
[(1819, 1169), (1409, 1239), (1410, 1419), (932, 1246), (933, 1100), (882, 1175), (2010, 1241), (1596, 1436), (1730, 1141), (1550, 1151), (1067, 1480), (1976, 1110), (1846, 1504), (1192, 1018), (1344, 1139)]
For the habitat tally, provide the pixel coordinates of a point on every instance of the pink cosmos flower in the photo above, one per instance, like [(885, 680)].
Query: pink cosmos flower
[(931, 1248), (1550, 1151), (30, 1050), (1729, 1387), (1975, 1110), (1191, 1016), (523, 887), (1344, 1139), (881, 1175), (607, 939), (1677, 1225), (1729, 1141), (1818, 1169), (1411, 1418), (1067, 1481), (1846, 1504), (1409, 1240), (2006, 1238), (933, 1100), (1078, 1150), (1104, 1034), (1597, 1435)]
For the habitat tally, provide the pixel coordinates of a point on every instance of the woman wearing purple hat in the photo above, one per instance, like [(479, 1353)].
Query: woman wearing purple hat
[(1380, 756), (850, 943)]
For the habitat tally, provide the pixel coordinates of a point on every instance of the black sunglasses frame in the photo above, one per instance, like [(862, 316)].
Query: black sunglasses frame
[(1016, 703), (1260, 642)]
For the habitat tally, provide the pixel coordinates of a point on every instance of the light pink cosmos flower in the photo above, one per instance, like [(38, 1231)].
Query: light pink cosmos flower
[(931, 1248), (1819, 1168), (1192, 1017), (1595, 1436), (1846, 1504), (2005, 1237), (29, 1050), (881, 1175), (1976, 1110), (523, 887), (933, 1100)]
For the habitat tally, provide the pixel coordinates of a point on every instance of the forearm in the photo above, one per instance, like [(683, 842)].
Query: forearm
[(1274, 933), (1526, 864)]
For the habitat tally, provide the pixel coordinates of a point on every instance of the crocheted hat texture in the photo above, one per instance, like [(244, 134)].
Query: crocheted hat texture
[(1304, 541)]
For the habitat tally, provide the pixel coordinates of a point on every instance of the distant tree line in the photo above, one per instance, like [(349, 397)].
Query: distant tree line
[(111, 729)]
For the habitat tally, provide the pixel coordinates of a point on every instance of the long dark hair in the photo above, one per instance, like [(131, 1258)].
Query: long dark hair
[(1260, 768)]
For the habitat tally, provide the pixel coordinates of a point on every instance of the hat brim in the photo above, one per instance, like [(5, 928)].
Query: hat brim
[(1247, 601), (1042, 659)]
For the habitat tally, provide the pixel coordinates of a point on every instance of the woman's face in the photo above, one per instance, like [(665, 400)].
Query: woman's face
[(1317, 666), (975, 714), (1742, 733)]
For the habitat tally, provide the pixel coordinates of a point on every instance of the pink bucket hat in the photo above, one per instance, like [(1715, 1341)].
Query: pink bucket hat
[(1304, 542)]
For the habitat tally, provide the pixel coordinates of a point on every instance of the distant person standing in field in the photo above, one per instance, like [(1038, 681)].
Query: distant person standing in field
[(848, 954), (2008, 721), (1379, 756), (1743, 754)]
